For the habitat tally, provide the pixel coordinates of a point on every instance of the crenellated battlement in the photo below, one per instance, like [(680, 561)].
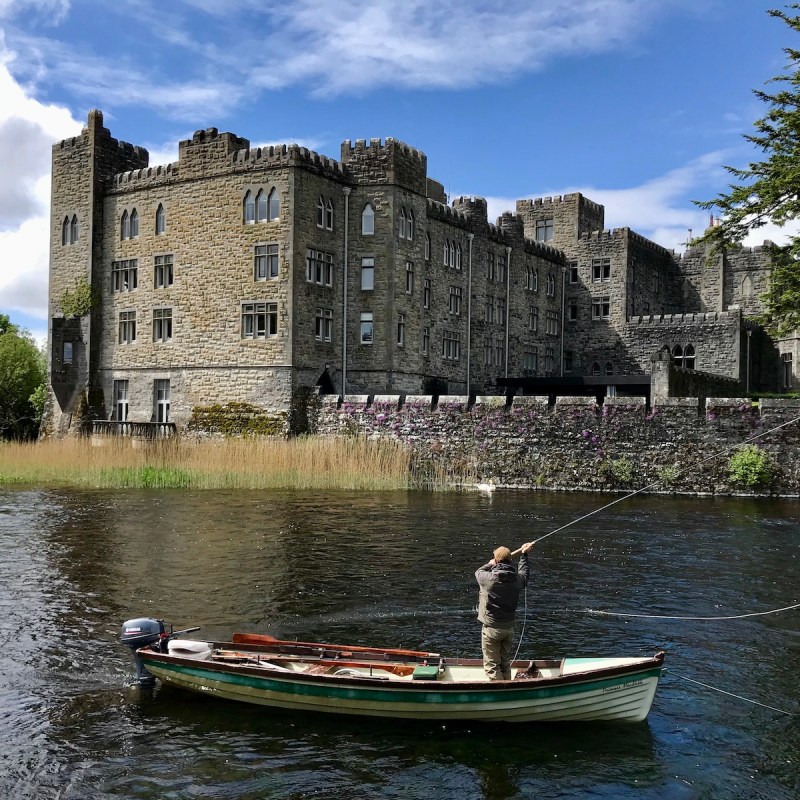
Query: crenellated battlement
[(683, 319), (473, 206), (445, 213), (543, 250), (230, 141), (291, 155), (138, 177), (378, 148)]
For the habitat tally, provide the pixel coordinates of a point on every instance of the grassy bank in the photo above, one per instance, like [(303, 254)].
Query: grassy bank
[(303, 463)]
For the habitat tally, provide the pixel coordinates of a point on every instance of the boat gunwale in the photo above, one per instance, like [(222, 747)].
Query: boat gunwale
[(645, 664)]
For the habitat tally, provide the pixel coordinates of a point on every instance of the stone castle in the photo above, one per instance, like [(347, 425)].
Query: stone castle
[(243, 275)]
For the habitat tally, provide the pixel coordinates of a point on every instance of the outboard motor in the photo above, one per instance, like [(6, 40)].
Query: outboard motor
[(138, 633)]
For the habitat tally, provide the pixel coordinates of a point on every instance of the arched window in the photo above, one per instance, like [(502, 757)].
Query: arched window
[(747, 286), (535, 284), (321, 212), (134, 223), (249, 208), (124, 226), (609, 368), (329, 215), (261, 206), (458, 256), (551, 285), (368, 220), (273, 206), (688, 357), (161, 220), (452, 254), (427, 247), (73, 229), (446, 259), (410, 225), (65, 231), (677, 355), (595, 368), (403, 221)]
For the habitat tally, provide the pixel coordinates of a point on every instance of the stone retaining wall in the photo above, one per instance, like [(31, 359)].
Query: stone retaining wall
[(678, 445)]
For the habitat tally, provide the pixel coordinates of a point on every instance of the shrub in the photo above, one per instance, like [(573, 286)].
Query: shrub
[(751, 467)]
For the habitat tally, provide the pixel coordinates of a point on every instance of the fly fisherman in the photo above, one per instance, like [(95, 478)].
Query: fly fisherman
[(500, 583)]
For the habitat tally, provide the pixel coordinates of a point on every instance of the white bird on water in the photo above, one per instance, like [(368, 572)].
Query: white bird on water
[(486, 486)]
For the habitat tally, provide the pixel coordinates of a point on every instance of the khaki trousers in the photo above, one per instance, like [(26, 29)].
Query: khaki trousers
[(496, 646)]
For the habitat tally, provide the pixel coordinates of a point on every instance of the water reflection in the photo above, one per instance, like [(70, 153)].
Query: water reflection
[(393, 569)]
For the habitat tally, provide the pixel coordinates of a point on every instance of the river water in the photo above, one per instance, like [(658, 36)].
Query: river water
[(393, 569)]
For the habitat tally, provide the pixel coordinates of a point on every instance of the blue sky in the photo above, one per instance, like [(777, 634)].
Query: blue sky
[(636, 103)]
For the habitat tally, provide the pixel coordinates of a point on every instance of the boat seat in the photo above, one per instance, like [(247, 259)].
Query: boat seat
[(529, 672)]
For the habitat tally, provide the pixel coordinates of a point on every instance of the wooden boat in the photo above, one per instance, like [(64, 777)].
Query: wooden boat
[(403, 684)]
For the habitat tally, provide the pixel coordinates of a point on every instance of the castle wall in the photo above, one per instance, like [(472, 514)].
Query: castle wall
[(677, 445)]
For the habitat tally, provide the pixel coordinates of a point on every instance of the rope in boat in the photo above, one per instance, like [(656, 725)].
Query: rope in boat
[(664, 616), (661, 480), (731, 694)]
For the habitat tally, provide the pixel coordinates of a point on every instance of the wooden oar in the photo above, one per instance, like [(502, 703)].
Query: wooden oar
[(235, 655), (260, 638)]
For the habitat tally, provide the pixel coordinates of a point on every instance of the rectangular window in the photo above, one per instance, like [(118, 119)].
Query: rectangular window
[(67, 355), (426, 340), (550, 359), (162, 270), (488, 350), (544, 230), (601, 307), (319, 267), (501, 269), (401, 330), (367, 329), (573, 271), (533, 319), (490, 267), (568, 360), (125, 275), (552, 321), (499, 352), (266, 261), (161, 399), (323, 325), (572, 310), (488, 309), (426, 293), (409, 277), (427, 247), (367, 274), (500, 312), (259, 320), (455, 300), (162, 324), (451, 345), (530, 362), (127, 327), (601, 270), (120, 401)]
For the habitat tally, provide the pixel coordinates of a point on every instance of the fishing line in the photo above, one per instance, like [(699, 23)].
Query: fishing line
[(664, 616), (731, 694), (661, 480)]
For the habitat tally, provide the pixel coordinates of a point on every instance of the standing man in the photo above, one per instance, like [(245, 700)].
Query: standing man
[(500, 583)]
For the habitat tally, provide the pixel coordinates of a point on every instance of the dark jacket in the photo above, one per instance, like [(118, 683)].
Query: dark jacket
[(500, 586)]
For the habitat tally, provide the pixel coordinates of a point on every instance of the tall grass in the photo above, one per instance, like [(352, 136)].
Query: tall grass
[(116, 462)]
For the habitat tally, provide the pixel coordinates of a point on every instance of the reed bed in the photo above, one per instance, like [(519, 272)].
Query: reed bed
[(266, 463)]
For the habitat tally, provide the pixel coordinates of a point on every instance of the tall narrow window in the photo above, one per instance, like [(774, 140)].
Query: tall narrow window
[(451, 345), (533, 319), (452, 254), (67, 353), (161, 399), (127, 327), (134, 223), (249, 208), (329, 214), (609, 368), (261, 206), (455, 301), (688, 357), (410, 225), (65, 231), (446, 254), (551, 285), (366, 327), (120, 401), (402, 222), (458, 256), (73, 229), (426, 293), (573, 271), (162, 324), (125, 226), (427, 247), (367, 274), (409, 277), (401, 330), (321, 212), (323, 325), (161, 220), (677, 355), (490, 267), (368, 220), (162, 271), (501, 269), (426, 340), (266, 261), (273, 206)]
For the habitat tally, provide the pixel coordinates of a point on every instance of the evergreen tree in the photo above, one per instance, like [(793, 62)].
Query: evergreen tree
[(769, 190), (22, 373)]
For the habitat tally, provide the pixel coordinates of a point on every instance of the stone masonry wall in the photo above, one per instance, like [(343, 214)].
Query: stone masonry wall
[(577, 445)]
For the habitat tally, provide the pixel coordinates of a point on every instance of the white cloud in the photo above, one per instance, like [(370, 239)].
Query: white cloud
[(51, 10), (27, 129)]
